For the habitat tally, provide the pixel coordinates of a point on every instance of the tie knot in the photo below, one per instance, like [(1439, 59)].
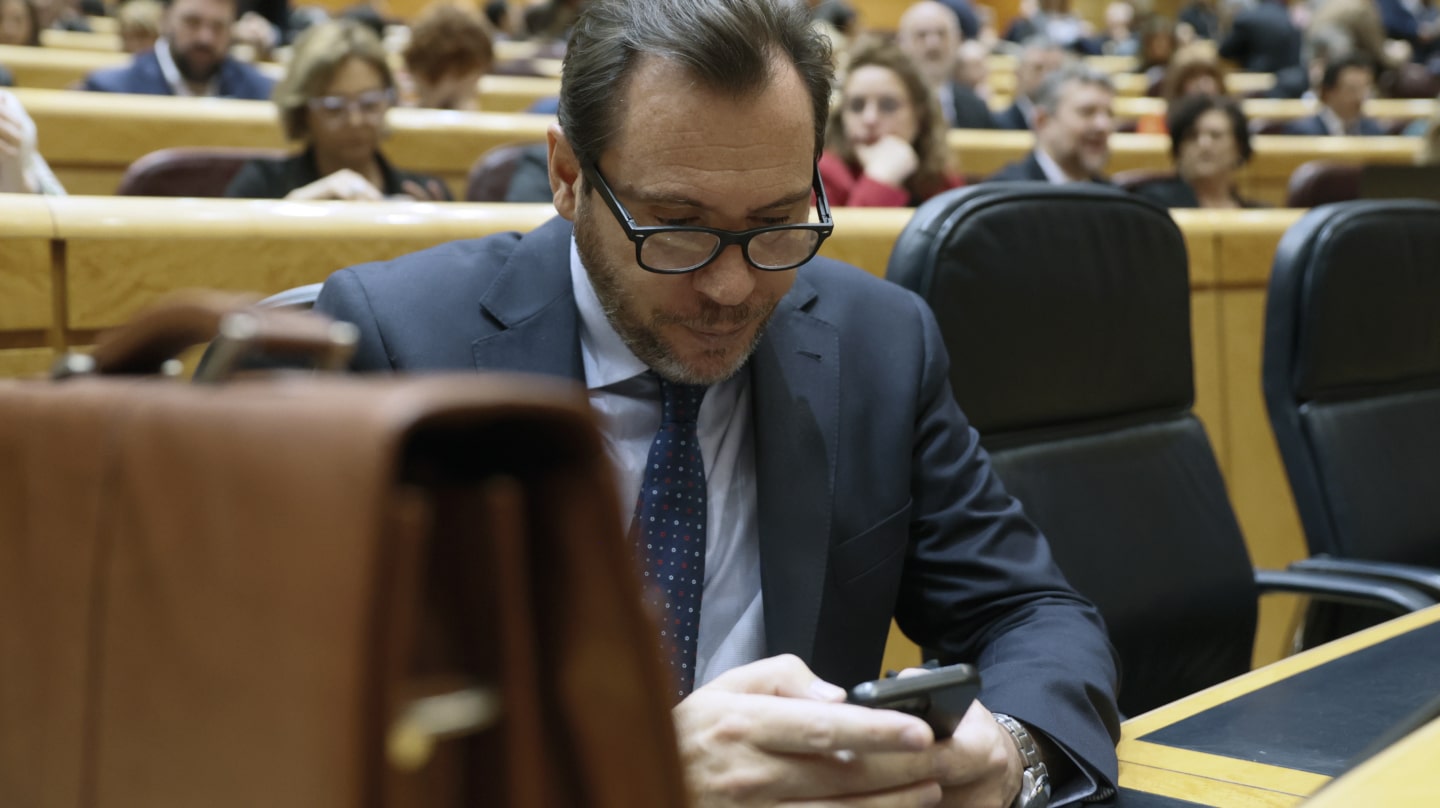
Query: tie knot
[(680, 402)]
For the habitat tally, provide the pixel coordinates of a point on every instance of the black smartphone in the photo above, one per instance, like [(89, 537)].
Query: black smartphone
[(940, 697)]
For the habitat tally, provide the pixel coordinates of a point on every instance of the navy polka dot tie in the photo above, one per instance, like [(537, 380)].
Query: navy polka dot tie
[(669, 528)]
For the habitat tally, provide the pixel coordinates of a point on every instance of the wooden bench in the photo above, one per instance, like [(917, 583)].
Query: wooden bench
[(983, 152), (89, 139)]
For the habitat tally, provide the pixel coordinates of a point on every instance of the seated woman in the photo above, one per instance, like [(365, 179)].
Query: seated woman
[(449, 51), (1210, 141), (1195, 70), (333, 99), (885, 143)]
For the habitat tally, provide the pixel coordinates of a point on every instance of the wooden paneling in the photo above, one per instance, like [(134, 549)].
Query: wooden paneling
[(89, 139), (25, 293)]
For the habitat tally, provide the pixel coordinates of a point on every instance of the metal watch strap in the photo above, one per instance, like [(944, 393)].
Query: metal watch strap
[(1035, 780)]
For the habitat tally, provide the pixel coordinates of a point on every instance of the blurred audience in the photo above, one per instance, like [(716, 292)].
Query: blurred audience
[(139, 24), (837, 14), (449, 51), (1118, 38), (62, 15), (885, 142), (1344, 87), (1193, 71), (190, 58), (1073, 123), (333, 99), (1158, 46), (1039, 58), (22, 169), (972, 68), (1198, 20), (1209, 142), (930, 35), (1263, 39), (1429, 153), (1360, 21), (19, 23), (551, 20), (967, 15), (1320, 46), (1052, 19)]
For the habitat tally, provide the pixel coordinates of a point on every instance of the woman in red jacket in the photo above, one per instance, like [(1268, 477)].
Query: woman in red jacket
[(885, 143)]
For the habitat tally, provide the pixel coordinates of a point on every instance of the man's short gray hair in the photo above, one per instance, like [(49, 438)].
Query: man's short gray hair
[(1048, 96)]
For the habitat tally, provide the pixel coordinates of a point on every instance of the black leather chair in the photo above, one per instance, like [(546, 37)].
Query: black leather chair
[(1320, 182), (1352, 384), (188, 171), (1066, 314)]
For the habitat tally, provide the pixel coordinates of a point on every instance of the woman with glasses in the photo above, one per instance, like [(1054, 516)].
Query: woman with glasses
[(885, 142), (333, 99), (1210, 142)]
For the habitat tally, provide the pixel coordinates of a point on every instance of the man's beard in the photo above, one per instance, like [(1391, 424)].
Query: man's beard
[(641, 334), (189, 71)]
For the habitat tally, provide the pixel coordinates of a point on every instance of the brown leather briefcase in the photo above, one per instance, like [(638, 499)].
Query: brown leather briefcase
[(303, 590)]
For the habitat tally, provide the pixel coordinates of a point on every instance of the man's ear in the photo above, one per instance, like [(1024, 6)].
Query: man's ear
[(564, 172)]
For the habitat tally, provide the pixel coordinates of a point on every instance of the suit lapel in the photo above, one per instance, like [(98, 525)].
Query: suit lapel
[(796, 373), (528, 321)]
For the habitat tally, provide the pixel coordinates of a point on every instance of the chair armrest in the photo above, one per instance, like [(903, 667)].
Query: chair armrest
[(1425, 579), (1386, 595)]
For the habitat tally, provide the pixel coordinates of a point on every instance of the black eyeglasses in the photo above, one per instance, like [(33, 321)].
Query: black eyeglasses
[(676, 249)]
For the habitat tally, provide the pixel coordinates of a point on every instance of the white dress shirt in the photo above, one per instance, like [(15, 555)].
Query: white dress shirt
[(171, 71), (626, 398), (1053, 172)]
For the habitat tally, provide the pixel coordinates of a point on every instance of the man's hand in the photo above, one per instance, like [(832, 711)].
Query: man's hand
[(343, 184), (986, 765), (772, 733)]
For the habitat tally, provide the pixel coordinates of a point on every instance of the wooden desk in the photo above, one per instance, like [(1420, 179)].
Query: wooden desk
[(983, 152), (1276, 735), (1287, 109), (106, 42), (1404, 774), (89, 139)]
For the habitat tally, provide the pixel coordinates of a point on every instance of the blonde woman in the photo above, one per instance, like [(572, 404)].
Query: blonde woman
[(333, 100)]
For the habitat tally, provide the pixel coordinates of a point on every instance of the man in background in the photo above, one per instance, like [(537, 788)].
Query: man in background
[(1344, 87), (1038, 58), (1073, 123), (930, 35), (191, 57)]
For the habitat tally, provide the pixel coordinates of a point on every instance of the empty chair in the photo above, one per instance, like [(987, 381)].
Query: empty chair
[(1352, 384), (1320, 182), (188, 171), (1070, 353)]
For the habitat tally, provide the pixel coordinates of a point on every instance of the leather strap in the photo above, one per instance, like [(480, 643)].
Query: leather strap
[(240, 330)]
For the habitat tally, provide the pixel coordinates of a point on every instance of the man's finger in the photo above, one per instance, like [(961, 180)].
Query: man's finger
[(798, 726)]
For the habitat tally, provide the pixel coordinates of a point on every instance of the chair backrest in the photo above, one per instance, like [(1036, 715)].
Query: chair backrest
[(1320, 182), (1070, 353), (1352, 377), (188, 171), (490, 174)]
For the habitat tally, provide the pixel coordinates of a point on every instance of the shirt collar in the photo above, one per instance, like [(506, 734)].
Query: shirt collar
[(1331, 120), (607, 359), (171, 71), (1053, 172)]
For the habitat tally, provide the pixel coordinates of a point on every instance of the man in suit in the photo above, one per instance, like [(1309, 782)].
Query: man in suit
[(1263, 39), (1038, 58), (1344, 88), (1073, 123), (190, 58), (930, 35), (841, 483)]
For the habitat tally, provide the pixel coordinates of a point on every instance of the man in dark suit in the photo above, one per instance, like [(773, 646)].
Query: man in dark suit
[(1073, 123), (1344, 88), (930, 35), (190, 58), (1263, 39), (841, 483), (1038, 58)]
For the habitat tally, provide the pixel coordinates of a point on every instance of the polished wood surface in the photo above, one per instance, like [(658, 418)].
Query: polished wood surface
[(1404, 774)]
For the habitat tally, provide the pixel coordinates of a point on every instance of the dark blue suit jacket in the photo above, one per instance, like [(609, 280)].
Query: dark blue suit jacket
[(143, 76), (1011, 118), (1314, 125), (875, 498)]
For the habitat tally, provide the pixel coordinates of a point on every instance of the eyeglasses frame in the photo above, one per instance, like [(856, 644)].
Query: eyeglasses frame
[(639, 233)]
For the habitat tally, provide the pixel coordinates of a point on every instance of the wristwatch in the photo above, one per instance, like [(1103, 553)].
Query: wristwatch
[(1035, 780)]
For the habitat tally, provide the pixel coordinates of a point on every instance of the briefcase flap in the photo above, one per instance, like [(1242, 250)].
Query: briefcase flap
[(232, 595)]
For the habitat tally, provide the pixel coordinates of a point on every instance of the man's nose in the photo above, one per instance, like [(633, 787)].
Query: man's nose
[(728, 280)]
